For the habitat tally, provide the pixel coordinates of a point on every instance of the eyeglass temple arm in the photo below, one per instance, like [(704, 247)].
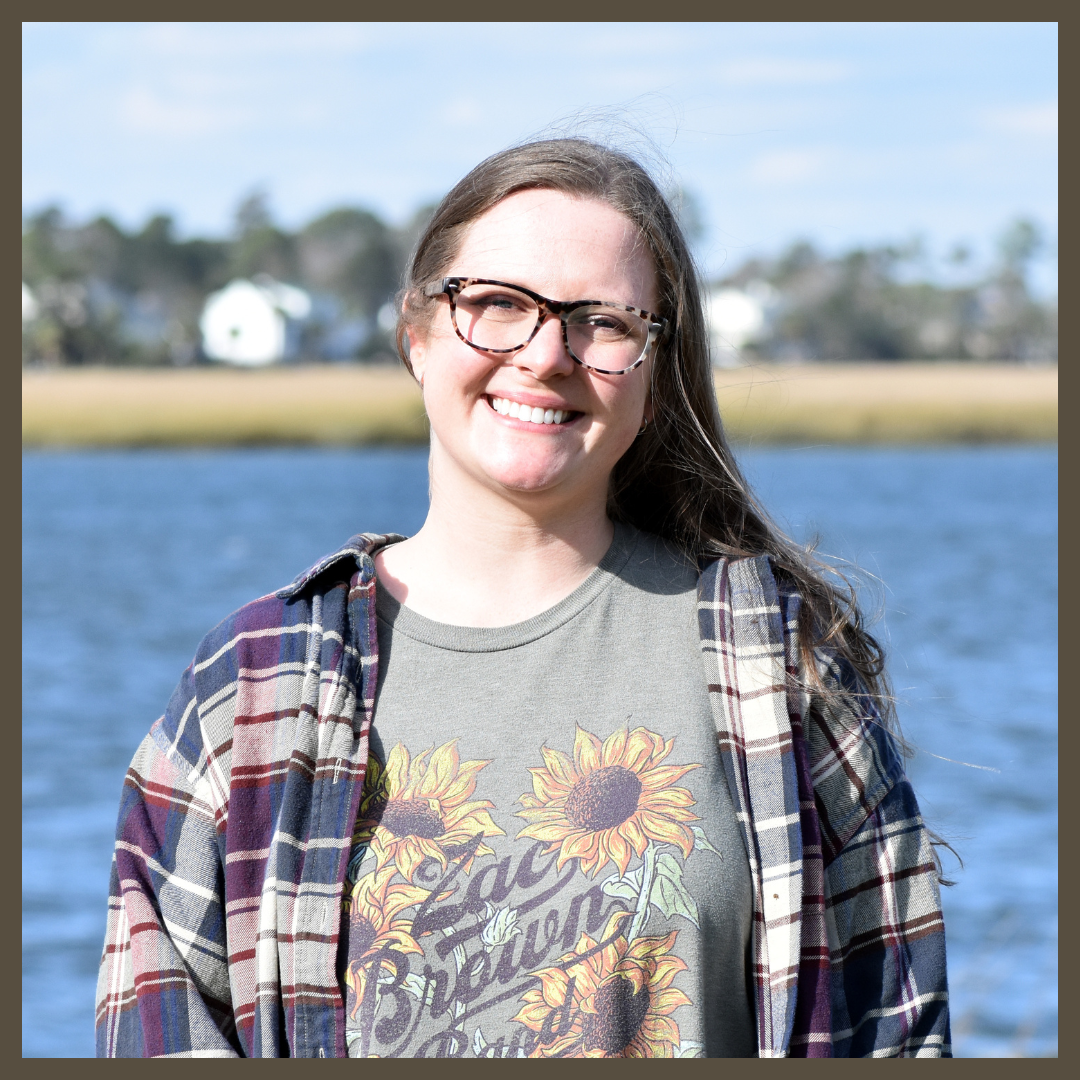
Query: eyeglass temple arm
[(437, 288)]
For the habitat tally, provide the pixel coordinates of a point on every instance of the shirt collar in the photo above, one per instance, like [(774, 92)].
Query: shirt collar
[(360, 548)]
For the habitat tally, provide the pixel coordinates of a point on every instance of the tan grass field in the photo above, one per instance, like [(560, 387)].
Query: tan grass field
[(333, 404), (889, 403)]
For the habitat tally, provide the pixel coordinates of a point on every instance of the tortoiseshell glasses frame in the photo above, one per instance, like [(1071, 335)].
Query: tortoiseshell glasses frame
[(451, 287)]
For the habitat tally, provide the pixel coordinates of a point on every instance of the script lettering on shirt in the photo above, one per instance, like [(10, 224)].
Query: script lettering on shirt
[(475, 982)]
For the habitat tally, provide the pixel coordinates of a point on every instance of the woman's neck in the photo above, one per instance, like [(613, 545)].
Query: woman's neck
[(495, 559)]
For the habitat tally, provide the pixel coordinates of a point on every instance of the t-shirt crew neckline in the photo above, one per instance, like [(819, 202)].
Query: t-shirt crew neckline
[(403, 620)]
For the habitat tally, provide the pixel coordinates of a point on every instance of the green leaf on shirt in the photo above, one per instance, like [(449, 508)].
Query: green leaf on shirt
[(668, 891), (627, 887), (703, 841)]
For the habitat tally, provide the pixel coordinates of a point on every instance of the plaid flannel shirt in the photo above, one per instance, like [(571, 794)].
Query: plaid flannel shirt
[(238, 808)]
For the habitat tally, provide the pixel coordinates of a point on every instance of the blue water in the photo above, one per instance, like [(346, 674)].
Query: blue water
[(129, 558)]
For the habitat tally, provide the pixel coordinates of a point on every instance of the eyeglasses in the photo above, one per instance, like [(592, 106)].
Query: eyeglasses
[(600, 335)]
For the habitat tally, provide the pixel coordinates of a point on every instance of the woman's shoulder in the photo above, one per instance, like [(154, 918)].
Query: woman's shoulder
[(265, 642), (854, 758), (659, 563), (354, 554), (257, 627)]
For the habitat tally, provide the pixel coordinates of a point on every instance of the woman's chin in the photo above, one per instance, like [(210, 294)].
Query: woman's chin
[(529, 481), (517, 467), (532, 474), (517, 464)]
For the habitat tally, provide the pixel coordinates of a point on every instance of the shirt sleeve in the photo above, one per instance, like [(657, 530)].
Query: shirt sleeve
[(163, 984), (889, 991), (890, 995)]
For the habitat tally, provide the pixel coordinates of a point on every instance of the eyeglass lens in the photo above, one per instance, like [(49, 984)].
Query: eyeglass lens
[(498, 317)]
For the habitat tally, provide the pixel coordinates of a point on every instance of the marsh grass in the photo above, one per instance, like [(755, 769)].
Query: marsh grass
[(223, 407), (346, 405), (889, 403)]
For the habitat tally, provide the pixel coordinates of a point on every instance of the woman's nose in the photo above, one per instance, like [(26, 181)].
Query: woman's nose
[(546, 354)]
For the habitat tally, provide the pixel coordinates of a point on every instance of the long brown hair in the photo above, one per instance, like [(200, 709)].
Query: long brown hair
[(679, 479)]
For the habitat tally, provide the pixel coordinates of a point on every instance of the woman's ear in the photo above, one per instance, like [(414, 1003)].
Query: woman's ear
[(415, 340)]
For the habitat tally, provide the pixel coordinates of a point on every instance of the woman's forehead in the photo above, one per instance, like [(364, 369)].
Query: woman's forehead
[(560, 242)]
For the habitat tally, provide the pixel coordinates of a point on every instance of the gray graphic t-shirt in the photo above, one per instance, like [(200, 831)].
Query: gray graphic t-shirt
[(546, 862)]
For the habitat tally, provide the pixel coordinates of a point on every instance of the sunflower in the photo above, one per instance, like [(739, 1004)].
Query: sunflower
[(616, 1001), (373, 928), (609, 801), (418, 808)]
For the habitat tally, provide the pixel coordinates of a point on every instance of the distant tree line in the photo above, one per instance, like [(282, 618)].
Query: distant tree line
[(104, 295), (873, 303), (100, 294)]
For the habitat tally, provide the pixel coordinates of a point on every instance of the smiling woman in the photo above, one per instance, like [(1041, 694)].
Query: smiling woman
[(717, 852), (493, 456)]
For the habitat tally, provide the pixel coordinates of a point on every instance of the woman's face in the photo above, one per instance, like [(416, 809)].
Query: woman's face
[(563, 248)]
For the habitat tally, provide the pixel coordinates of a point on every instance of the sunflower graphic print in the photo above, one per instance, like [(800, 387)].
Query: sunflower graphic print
[(535, 882)]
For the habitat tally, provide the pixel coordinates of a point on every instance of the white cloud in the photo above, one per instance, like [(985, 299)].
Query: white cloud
[(253, 39), (775, 71), (788, 166), (145, 112), (461, 112), (1024, 120)]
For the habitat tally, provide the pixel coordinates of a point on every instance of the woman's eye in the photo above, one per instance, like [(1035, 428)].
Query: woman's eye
[(608, 324), (496, 303), (505, 303)]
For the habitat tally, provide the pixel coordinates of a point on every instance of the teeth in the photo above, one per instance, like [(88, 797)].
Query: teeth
[(506, 407)]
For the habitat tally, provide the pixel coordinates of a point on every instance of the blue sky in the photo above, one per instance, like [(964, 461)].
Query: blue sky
[(840, 133)]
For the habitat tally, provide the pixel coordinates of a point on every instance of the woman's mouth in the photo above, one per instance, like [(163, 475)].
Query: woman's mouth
[(530, 414)]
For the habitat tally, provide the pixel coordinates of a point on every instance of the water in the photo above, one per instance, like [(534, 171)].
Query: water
[(129, 558)]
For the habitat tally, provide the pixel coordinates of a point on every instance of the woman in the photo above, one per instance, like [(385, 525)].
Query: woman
[(595, 764)]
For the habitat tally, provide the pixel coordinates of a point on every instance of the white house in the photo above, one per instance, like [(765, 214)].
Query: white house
[(735, 317), (253, 323), (30, 307)]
